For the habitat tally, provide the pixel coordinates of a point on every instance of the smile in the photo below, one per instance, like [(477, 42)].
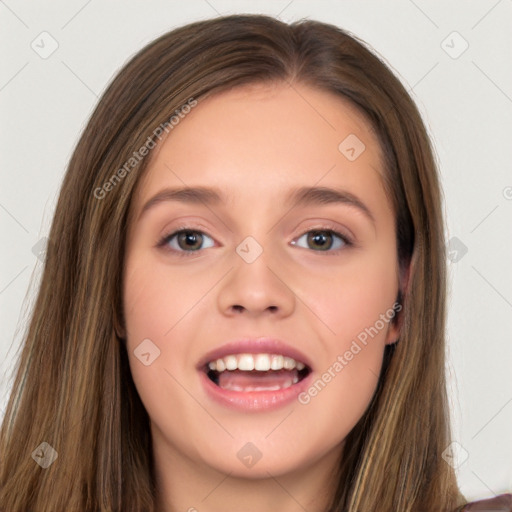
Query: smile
[(256, 372), (255, 382)]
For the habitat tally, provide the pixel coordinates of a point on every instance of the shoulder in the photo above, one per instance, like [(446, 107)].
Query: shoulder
[(501, 503)]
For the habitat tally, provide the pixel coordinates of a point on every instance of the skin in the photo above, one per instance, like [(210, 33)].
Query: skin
[(256, 143)]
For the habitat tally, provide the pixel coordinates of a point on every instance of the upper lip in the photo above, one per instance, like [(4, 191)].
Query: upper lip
[(254, 346)]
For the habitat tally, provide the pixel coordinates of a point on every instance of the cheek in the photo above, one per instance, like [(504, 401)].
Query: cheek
[(349, 298), (156, 303), (157, 298), (355, 305)]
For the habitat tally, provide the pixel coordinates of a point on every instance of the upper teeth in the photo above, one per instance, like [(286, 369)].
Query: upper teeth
[(260, 362)]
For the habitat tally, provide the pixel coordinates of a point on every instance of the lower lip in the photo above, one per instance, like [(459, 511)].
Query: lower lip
[(254, 400)]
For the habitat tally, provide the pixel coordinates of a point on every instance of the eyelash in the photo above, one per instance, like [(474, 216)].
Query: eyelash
[(327, 229)]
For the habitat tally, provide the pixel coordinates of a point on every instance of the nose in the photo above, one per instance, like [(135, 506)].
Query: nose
[(257, 288)]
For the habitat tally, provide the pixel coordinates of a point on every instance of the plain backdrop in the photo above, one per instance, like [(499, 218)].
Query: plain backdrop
[(454, 58)]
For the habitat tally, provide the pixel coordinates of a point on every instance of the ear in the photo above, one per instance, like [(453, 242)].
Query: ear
[(395, 325), (121, 335), (119, 329)]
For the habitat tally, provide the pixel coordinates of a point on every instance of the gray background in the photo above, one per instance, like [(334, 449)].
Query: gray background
[(464, 94)]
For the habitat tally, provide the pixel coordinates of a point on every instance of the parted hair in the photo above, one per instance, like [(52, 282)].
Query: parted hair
[(72, 386)]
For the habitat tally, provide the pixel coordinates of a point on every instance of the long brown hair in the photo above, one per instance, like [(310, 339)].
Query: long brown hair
[(73, 389)]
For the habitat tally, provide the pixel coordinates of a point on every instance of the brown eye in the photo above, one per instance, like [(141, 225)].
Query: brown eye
[(324, 240), (188, 240), (185, 241), (320, 239)]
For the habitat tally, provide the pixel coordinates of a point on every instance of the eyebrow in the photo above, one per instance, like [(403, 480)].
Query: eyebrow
[(303, 196)]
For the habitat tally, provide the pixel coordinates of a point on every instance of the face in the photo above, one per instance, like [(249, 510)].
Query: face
[(260, 271)]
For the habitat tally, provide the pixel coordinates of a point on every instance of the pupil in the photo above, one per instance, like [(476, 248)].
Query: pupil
[(319, 237), (190, 236)]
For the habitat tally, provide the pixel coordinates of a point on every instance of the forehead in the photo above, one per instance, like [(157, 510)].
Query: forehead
[(257, 139)]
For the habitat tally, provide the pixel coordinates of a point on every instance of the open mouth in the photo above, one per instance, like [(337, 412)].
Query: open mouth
[(256, 372)]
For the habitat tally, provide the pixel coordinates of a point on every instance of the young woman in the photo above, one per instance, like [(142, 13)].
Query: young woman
[(243, 299)]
